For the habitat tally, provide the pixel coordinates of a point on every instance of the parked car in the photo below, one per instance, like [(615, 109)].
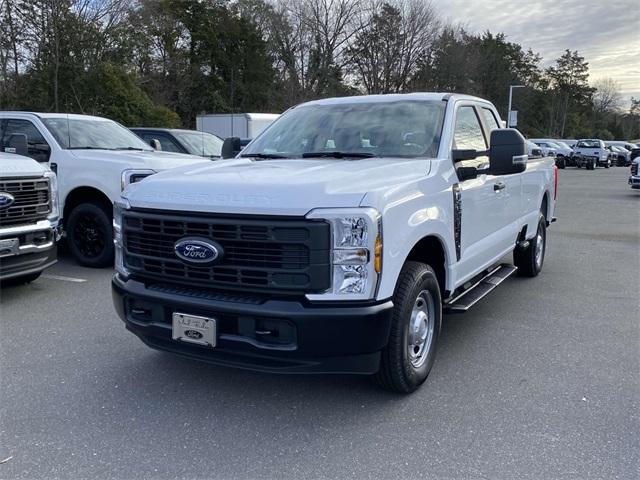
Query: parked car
[(533, 150), (591, 153), (619, 143), (619, 156), (181, 141), (562, 151), (94, 159), (28, 216), (634, 177), (335, 239)]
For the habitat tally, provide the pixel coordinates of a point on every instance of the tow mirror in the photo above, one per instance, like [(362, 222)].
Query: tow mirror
[(155, 144), (508, 152), (231, 147), (18, 144)]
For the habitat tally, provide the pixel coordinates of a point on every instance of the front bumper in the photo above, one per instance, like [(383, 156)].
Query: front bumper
[(303, 338), (634, 181), (33, 249)]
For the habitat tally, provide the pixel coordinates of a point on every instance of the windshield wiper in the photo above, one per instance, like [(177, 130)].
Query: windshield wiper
[(337, 154), (262, 155), (88, 148), (132, 148)]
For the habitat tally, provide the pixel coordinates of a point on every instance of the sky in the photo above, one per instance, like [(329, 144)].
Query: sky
[(606, 33)]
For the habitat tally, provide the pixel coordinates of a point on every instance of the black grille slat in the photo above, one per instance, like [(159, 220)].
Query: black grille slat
[(261, 255), (31, 201)]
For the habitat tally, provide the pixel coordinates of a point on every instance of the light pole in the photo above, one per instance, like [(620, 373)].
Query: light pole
[(511, 87)]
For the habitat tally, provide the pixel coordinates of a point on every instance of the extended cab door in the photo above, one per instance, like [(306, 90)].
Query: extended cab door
[(483, 208)]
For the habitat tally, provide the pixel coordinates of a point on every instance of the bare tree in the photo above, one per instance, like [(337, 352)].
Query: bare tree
[(607, 96)]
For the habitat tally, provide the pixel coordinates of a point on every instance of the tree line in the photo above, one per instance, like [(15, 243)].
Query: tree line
[(162, 62)]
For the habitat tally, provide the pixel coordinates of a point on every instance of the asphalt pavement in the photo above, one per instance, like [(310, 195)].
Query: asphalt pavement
[(538, 381)]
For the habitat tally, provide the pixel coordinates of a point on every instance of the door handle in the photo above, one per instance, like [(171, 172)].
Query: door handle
[(499, 186)]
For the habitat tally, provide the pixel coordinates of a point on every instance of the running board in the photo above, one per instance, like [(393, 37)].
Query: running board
[(480, 289)]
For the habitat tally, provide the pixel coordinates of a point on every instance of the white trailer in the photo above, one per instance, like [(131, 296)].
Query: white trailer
[(243, 125)]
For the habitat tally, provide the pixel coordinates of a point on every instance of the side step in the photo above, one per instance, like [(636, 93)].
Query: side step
[(480, 289)]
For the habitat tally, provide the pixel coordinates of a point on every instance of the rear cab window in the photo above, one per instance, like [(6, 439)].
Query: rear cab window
[(37, 146)]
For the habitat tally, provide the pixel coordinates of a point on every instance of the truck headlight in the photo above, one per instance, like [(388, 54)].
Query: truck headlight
[(356, 252), (119, 207), (53, 195), (134, 175)]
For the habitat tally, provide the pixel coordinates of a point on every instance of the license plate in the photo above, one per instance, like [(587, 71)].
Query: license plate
[(9, 246), (194, 329)]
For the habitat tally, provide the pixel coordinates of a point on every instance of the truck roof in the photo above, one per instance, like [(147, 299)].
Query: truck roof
[(395, 97), (52, 115)]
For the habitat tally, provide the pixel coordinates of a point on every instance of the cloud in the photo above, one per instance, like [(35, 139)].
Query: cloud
[(605, 33)]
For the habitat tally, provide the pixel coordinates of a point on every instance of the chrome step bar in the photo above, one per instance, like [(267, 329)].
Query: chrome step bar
[(476, 292)]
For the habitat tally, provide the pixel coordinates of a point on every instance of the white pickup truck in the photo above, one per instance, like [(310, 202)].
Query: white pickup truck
[(28, 219), (336, 239), (94, 159)]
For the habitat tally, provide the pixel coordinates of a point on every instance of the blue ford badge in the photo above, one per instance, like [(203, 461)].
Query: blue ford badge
[(198, 251), (6, 200)]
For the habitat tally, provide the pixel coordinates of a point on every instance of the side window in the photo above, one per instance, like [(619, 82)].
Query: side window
[(38, 148), (468, 135), (166, 143), (490, 119)]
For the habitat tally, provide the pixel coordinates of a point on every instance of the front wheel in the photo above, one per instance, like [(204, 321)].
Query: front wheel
[(417, 317), (90, 234), (529, 260)]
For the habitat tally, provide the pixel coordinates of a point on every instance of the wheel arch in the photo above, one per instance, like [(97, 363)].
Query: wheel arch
[(431, 250), (83, 195)]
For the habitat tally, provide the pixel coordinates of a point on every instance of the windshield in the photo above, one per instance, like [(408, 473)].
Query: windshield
[(200, 143), (563, 145), (386, 129), (588, 144), (89, 133)]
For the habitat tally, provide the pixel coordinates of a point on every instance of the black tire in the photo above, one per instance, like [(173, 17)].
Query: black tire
[(527, 259), (90, 235), (579, 165), (563, 163), (398, 372), (21, 280)]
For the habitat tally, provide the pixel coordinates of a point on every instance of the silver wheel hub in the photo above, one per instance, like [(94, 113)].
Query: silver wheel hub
[(421, 329), (539, 249)]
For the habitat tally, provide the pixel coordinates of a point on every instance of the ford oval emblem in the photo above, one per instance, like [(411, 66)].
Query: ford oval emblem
[(193, 334), (198, 251), (6, 200)]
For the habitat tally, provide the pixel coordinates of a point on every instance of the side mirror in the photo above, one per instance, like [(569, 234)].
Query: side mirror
[(155, 144), (508, 152), (231, 147), (18, 144)]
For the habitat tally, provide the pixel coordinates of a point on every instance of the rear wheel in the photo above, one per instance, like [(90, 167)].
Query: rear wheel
[(90, 234), (530, 260), (417, 316)]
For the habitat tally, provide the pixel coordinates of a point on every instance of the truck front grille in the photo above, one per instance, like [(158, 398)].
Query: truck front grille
[(260, 255), (31, 203)]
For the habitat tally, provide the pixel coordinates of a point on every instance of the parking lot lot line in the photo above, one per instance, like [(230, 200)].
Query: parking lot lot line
[(63, 278)]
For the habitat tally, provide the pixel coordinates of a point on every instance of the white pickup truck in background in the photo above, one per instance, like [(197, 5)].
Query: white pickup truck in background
[(336, 238), (94, 159), (28, 219)]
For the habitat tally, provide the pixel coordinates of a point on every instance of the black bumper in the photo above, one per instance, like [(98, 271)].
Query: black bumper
[(27, 263), (303, 338)]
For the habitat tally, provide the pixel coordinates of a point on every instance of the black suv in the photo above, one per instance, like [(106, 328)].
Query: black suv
[(182, 141)]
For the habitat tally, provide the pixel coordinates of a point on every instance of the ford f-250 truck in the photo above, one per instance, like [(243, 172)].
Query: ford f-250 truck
[(94, 158), (28, 219), (336, 238)]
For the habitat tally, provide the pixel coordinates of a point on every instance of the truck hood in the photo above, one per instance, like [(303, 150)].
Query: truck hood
[(14, 166), (276, 187), (154, 160)]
